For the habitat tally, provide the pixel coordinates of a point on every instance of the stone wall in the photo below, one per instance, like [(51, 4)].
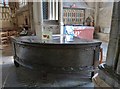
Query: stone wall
[(105, 16), (21, 14), (52, 26), (6, 24), (21, 18), (5, 20), (104, 20)]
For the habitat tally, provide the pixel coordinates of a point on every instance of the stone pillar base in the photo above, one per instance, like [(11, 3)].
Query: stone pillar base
[(99, 83)]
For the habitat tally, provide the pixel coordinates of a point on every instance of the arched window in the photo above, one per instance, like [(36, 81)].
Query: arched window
[(4, 3), (22, 3), (4, 10), (50, 9)]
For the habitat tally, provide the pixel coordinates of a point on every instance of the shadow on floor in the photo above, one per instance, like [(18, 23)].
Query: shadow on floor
[(20, 77)]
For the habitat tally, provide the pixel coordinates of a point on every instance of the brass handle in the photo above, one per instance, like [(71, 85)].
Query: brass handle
[(101, 55)]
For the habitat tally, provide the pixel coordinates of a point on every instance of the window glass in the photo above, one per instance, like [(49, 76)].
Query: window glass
[(22, 3), (1, 2), (4, 3)]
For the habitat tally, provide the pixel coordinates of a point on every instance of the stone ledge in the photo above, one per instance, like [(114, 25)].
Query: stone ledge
[(98, 82), (109, 76), (103, 36)]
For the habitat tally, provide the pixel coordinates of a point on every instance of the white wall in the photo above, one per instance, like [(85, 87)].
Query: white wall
[(105, 16), (104, 20)]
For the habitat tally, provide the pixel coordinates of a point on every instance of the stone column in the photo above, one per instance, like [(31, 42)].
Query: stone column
[(53, 9), (38, 18), (60, 18), (30, 6), (49, 9), (56, 17), (35, 17), (113, 42), (118, 66), (110, 71), (96, 14)]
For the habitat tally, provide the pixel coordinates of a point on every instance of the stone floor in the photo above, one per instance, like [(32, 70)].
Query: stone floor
[(16, 77)]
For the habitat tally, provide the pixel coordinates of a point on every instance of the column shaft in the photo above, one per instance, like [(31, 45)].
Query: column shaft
[(38, 18)]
